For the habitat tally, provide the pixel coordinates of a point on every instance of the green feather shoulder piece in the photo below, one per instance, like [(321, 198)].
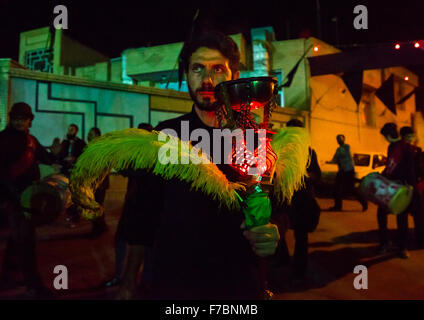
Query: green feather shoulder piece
[(141, 149), (291, 145)]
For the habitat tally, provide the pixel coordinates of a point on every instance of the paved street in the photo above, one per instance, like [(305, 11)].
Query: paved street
[(349, 238), (342, 241)]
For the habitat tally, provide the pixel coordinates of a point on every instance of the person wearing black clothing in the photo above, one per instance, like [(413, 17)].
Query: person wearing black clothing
[(400, 166), (345, 179), (207, 251), (304, 213), (18, 170), (71, 149), (416, 209), (200, 250), (419, 204), (120, 242)]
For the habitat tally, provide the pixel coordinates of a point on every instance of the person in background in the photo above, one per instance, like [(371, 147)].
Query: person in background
[(399, 166), (409, 138), (98, 225), (345, 179), (20, 156), (304, 213), (56, 147), (145, 126), (71, 149), (120, 242)]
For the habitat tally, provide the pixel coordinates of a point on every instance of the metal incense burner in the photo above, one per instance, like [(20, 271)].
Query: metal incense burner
[(237, 99)]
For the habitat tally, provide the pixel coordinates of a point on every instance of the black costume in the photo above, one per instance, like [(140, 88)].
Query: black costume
[(18, 169), (199, 251), (304, 214), (401, 167), (418, 204), (72, 146)]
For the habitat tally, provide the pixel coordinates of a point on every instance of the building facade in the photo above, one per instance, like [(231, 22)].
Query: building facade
[(77, 80)]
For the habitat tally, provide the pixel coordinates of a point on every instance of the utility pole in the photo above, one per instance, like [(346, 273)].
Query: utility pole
[(288, 29), (336, 30), (319, 20)]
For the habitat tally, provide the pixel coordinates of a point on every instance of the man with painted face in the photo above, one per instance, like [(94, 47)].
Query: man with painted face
[(21, 153), (200, 251)]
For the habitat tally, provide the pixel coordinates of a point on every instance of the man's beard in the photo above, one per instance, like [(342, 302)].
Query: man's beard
[(205, 105), (70, 136)]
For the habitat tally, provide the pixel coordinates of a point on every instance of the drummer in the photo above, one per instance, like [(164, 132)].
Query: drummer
[(18, 169), (400, 167), (99, 225)]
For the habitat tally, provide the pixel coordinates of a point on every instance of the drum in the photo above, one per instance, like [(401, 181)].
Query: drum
[(46, 170), (392, 196), (47, 198)]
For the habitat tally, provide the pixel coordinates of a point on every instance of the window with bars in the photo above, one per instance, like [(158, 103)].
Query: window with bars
[(40, 60)]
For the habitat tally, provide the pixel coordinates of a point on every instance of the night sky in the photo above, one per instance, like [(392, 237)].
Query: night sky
[(114, 26)]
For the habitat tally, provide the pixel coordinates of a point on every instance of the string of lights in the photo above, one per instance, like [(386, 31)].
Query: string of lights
[(419, 44)]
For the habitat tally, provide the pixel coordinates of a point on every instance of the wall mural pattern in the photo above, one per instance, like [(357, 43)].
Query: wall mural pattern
[(40, 60), (56, 105)]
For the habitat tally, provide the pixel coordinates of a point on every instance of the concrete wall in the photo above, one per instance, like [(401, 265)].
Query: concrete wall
[(75, 54), (56, 105), (284, 56), (332, 108), (58, 101), (100, 71), (322, 102), (67, 53), (4, 91), (116, 70), (32, 40), (281, 116), (333, 111)]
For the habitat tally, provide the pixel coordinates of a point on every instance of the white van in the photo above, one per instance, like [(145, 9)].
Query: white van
[(365, 163)]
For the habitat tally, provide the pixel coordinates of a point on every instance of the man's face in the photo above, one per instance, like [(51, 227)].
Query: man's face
[(91, 135), (207, 68), (21, 124), (409, 138), (72, 131)]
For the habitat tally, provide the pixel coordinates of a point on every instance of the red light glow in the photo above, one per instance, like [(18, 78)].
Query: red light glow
[(397, 46), (416, 45), (316, 49), (254, 105), (406, 78)]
